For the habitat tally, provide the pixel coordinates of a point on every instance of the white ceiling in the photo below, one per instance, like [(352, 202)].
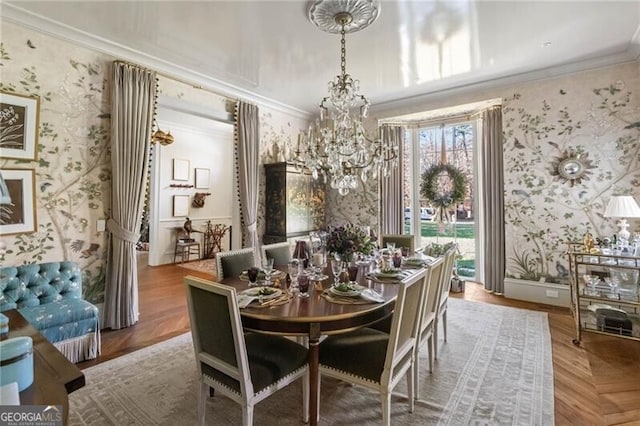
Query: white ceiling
[(270, 49)]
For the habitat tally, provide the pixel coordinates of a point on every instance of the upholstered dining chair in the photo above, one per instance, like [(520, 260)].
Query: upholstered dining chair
[(428, 317), (232, 263), (279, 252), (401, 240), (247, 368), (377, 360), (443, 297)]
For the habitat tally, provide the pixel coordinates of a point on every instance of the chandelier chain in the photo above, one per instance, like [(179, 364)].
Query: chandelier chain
[(343, 55)]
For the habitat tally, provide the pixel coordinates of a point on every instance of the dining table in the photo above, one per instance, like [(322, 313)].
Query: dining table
[(315, 316)]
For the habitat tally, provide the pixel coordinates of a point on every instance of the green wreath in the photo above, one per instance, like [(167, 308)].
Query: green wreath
[(429, 186)]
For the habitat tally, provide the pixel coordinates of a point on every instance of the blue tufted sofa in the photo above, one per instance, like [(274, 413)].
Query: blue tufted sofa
[(49, 296)]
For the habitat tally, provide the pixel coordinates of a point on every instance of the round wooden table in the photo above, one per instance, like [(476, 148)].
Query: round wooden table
[(313, 317)]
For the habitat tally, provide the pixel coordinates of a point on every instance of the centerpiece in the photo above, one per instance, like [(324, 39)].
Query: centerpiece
[(345, 241)]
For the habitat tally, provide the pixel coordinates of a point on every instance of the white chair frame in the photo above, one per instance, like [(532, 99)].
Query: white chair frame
[(223, 254), (247, 398), (443, 297)]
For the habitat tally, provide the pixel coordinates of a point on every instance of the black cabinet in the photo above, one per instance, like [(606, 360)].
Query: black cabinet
[(294, 202)]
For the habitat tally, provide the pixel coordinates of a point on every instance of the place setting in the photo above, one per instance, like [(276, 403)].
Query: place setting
[(386, 275), (263, 296), (351, 293)]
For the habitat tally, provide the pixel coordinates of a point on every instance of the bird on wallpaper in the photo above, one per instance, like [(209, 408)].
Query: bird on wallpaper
[(91, 250), (518, 144), (561, 269), (521, 193)]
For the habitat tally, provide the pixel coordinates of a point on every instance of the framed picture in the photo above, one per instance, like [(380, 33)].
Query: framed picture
[(19, 117), (202, 178), (18, 216), (180, 169), (180, 205)]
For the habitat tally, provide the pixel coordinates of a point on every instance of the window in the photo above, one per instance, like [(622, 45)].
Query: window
[(428, 145)]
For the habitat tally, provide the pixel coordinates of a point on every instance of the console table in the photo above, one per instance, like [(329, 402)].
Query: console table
[(54, 376)]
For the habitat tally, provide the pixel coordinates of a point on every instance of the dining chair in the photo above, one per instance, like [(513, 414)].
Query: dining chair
[(401, 240), (427, 317), (377, 360), (247, 368), (233, 263), (279, 252), (443, 296)]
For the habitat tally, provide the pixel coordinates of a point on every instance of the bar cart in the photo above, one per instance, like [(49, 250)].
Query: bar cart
[(605, 295)]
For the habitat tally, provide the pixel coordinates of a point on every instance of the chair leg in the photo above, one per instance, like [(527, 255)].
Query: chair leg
[(247, 415), (430, 348), (436, 325), (385, 398), (416, 371), (411, 387), (202, 401), (444, 324), (305, 397)]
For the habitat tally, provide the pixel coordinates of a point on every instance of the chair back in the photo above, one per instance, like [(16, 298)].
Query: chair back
[(401, 240), (445, 276), (431, 293), (232, 263), (279, 252), (217, 334), (404, 326)]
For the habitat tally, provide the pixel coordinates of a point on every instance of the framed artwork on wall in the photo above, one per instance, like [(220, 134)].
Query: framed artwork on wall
[(180, 205), (202, 178), (19, 117), (18, 216), (180, 169)]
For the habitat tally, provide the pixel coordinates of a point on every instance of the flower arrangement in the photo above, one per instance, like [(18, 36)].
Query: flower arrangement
[(348, 239)]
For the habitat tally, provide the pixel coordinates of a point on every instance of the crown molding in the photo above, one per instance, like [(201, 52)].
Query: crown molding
[(36, 22), (410, 103)]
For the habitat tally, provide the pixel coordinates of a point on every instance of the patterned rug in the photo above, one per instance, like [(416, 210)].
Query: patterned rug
[(206, 265), (495, 369)]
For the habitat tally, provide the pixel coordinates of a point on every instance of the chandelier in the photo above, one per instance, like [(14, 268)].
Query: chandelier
[(336, 146)]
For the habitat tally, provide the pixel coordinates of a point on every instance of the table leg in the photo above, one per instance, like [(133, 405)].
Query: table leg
[(314, 373)]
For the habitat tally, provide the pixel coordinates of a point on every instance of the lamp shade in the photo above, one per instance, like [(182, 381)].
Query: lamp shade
[(622, 206)]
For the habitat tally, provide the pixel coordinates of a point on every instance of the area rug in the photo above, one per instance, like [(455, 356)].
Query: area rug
[(206, 265), (494, 369)]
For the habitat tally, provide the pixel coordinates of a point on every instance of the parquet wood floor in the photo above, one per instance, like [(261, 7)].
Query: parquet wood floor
[(596, 383)]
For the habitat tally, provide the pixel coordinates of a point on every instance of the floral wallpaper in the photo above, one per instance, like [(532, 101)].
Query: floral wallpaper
[(594, 113), (73, 169), (73, 165)]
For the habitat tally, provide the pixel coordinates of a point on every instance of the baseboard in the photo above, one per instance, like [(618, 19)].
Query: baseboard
[(539, 292)]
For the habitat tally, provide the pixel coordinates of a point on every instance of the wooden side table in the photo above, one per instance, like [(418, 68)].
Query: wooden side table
[(54, 376)]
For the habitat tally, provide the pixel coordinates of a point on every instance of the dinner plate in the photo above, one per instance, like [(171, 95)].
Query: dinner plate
[(266, 292), (352, 293), (388, 274)]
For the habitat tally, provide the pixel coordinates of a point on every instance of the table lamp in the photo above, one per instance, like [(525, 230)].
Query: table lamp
[(622, 206)]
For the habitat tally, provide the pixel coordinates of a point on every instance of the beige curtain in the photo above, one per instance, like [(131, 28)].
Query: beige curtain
[(492, 201), (247, 135), (391, 203), (132, 101)]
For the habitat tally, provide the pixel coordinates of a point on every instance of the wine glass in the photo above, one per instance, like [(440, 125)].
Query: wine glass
[(352, 270), (294, 270), (267, 267), (252, 273), (336, 268), (391, 247)]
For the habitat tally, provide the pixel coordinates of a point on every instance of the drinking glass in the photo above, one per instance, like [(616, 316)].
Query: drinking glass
[(252, 273), (267, 267), (397, 260), (352, 270), (294, 270), (336, 268), (303, 285)]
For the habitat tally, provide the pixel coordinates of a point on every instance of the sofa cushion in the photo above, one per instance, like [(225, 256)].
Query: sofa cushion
[(57, 313)]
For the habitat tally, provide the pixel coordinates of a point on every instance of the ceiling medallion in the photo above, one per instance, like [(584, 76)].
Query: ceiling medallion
[(328, 15)]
